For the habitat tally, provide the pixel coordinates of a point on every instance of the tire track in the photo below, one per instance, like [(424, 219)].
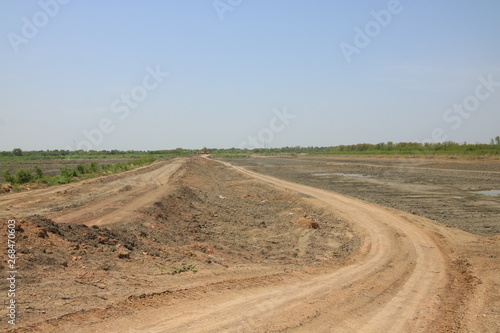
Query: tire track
[(414, 304)]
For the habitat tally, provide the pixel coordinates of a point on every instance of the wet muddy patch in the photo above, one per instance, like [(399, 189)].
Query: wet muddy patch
[(356, 175), (489, 192)]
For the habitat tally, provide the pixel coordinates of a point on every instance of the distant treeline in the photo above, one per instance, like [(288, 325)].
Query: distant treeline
[(18, 154), (384, 148), (388, 148)]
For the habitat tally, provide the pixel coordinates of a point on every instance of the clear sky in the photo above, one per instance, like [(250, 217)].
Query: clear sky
[(146, 75)]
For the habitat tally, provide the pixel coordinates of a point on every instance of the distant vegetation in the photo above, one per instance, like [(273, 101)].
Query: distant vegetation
[(85, 170), (68, 175), (384, 148), (448, 148), (19, 155)]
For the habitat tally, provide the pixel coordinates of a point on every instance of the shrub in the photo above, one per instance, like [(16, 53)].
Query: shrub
[(81, 169), (8, 178), (24, 176), (94, 167), (39, 172), (67, 172)]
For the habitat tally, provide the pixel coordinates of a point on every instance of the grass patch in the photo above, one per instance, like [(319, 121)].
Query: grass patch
[(191, 268)]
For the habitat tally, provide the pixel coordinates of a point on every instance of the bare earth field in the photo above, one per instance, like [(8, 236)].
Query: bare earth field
[(194, 245), (441, 190)]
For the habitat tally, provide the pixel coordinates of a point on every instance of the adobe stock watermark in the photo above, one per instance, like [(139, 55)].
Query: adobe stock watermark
[(455, 115), (31, 27), (277, 124), (121, 107), (11, 272), (363, 37), (223, 6)]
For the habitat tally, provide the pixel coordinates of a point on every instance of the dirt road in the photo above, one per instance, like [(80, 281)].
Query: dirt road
[(133, 193), (408, 275), (99, 201), (396, 284)]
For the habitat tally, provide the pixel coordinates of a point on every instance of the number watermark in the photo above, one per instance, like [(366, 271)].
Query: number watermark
[(11, 271)]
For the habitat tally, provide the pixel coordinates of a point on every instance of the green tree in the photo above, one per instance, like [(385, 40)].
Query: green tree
[(17, 152), (497, 140)]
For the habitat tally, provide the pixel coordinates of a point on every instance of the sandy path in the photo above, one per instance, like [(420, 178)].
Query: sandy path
[(98, 201), (142, 189), (394, 285)]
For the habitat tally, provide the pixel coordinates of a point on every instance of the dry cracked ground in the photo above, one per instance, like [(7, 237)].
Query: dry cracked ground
[(261, 245)]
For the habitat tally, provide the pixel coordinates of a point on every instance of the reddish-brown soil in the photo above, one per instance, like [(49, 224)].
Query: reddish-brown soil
[(197, 245)]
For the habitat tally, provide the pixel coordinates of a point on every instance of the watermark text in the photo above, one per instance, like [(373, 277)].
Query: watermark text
[(11, 271)]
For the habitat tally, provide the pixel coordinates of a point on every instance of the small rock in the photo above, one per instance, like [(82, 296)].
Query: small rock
[(124, 255), (42, 233)]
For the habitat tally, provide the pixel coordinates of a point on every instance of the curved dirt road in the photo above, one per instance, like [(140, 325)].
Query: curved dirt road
[(394, 285), (400, 275), (97, 201)]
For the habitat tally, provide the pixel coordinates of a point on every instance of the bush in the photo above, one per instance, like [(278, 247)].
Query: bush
[(67, 172), (94, 167), (82, 169), (24, 176), (39, 172), (8, 178), (106, 167)]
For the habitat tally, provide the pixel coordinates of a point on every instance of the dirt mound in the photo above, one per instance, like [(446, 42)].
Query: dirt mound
[(307, 221), (6, 188)]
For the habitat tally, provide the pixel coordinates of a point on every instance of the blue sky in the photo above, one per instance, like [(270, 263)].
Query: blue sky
[(421, 71)]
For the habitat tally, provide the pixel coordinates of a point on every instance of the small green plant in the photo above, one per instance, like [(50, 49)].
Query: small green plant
[(191, 268)]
